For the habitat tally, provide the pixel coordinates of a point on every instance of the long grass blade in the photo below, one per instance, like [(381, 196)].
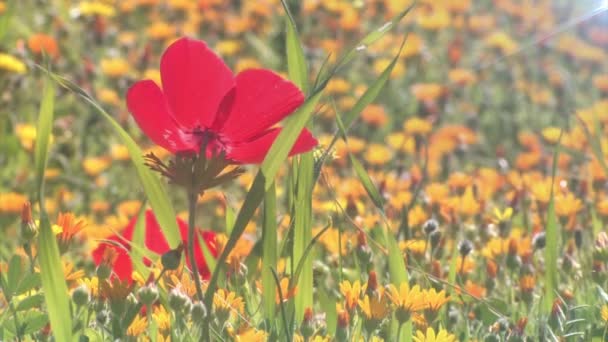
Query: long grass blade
[(51, 269), (269, 252), (155, 192)]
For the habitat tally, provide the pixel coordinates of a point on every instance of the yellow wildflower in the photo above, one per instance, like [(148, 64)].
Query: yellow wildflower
[(352, 293), (115, 67), (11, 202), (91, 8), (138, 326), (431, 336), (12, 64), (417, 126), (406, 300), (93, 166)]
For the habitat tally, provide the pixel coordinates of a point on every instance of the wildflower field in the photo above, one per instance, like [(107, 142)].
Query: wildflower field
[(285, 170)]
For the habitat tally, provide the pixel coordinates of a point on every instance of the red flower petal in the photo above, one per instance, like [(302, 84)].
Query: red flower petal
[(194, 80), (155, 241), (254, 151), (123, 268), (262, 99), (149, 107)]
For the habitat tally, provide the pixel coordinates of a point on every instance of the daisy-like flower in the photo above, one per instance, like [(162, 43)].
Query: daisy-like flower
[(433, 301), (430, 336), (406, 300), (227, 304), (202, 103), (68, 226), (352, 293)]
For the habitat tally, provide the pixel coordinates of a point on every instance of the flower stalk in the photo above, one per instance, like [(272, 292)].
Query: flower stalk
[(192, 198)]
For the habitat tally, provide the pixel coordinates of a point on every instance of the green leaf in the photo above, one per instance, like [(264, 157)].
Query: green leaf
[(269, 253), (15, 271), (296, 61), (28, 283), (155, 192), (34, 321), (51, 269), (30, 302), (552, 244)]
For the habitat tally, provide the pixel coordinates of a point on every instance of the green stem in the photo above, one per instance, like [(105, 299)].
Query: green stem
[(192, 197), (17, 324), (28, 251), (399, 332)]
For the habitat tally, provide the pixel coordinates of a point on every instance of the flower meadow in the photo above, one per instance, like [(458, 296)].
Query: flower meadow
[(280, 170)]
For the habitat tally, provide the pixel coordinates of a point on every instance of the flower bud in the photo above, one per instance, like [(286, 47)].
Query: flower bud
[(178, 301), (103, 271), (363, 251), (430, 226), (103, 317), (307, 329), (539, 241), (29, 230), (81, 296), (465, 247), (172, 258), (435, 239), (342, 333), (199, 312), (148, 294)]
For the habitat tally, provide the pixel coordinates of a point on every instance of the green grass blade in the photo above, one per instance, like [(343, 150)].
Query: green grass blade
[(5, 18), (207, 256), (155, 192), (282, 306), (288, 136), (363, 44), (301, 262), (551, 247), (375, 35), (296, 61), (367, 98), (45, 125), (303, 233), (51, 269), (252, 201), (139, 239), (269, 252), (368, 184)]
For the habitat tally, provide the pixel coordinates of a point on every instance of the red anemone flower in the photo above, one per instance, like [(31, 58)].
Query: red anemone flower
[(155, 241), (202, 102)]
